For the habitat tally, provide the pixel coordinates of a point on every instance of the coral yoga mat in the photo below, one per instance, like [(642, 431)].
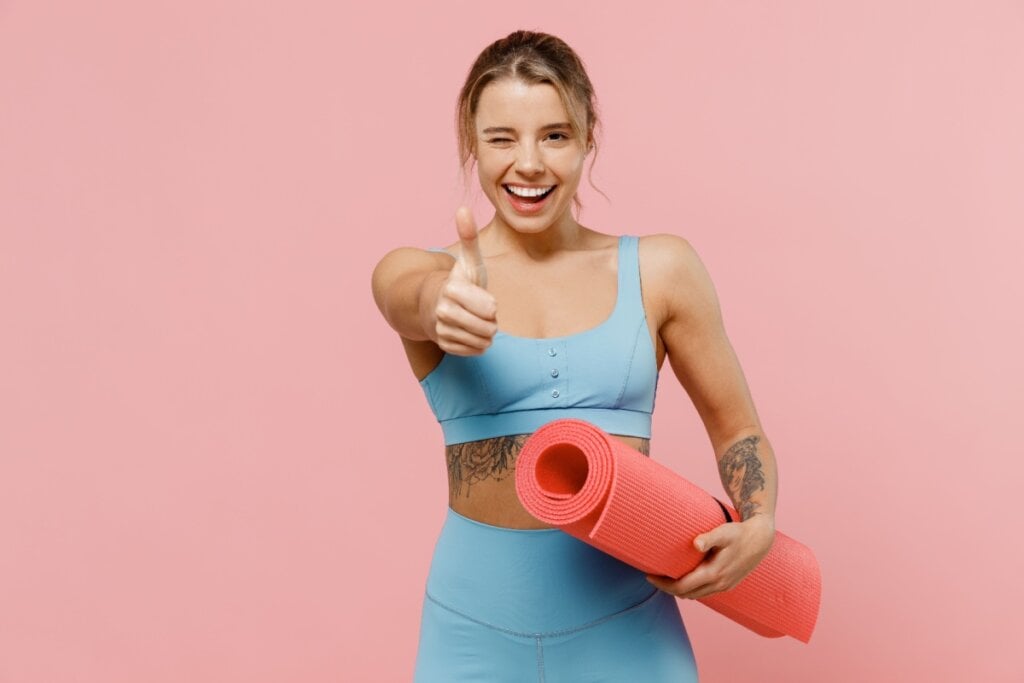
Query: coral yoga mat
[(573, 475)]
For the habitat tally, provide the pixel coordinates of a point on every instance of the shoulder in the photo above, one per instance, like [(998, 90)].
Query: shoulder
[(402, 259), (665, 250), (671, 266), (668, 258)]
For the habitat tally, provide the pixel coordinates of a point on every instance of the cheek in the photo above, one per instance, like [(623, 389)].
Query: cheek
[(488, 169), (484, 177), (573, 168)]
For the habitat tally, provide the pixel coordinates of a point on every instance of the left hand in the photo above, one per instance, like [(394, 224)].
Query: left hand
[(733, 550)]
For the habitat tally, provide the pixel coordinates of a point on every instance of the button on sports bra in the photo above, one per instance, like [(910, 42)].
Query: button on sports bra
[(606, 375)]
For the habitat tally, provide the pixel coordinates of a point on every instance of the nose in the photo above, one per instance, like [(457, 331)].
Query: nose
[(528, 160)]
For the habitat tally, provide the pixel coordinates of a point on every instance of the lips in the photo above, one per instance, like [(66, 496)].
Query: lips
[(530, 204)]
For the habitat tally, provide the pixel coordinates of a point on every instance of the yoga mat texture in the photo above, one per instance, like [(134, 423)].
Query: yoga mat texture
[(573, 475)]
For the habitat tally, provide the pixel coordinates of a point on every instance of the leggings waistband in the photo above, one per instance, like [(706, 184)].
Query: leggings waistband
[(528, 580)]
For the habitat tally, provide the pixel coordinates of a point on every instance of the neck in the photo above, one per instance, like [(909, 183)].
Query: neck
[(562, 235)]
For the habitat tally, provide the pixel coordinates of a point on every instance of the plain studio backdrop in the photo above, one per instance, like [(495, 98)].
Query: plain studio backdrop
[(215, 462)]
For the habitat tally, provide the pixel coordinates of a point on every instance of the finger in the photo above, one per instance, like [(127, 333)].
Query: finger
[(458, 334), (660, 582), (716, 538), (469, 247), (697, 582), (459, 349), (689, 590), (716, 580), (475, 300), (718, 574), (708, 570), (685, 584), (702, 592)]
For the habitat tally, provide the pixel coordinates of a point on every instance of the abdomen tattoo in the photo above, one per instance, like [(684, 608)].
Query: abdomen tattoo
[(474, 461)]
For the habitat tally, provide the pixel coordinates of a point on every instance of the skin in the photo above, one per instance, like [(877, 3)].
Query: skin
[(519, 260)]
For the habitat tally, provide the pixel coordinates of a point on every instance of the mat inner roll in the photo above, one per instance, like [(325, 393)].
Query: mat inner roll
[(562, 471)]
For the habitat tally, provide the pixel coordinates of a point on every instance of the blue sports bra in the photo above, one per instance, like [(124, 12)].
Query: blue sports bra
[(606, 375)]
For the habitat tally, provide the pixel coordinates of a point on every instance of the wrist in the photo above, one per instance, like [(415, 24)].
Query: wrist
[(762, 519)]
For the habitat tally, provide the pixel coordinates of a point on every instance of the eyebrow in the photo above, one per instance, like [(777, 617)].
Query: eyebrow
[(502, 129)]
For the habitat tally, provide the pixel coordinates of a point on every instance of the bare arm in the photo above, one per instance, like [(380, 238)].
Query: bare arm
[(707, 367)]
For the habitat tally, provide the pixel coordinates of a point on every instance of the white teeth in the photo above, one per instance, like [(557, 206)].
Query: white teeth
[(528, 191)]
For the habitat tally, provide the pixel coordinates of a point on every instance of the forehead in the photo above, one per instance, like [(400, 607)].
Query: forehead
[(514, 104)]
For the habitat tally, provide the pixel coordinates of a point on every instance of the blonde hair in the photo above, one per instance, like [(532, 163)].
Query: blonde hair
[(531, 57)]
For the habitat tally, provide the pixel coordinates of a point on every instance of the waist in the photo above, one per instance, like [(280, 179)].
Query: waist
[(481, 479), (477, 427), (528, 581)]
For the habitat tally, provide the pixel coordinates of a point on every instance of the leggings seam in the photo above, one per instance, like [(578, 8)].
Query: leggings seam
[(540, 660), (546, 634)]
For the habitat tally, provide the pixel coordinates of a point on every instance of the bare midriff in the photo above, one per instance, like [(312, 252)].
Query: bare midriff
[(482, 483)]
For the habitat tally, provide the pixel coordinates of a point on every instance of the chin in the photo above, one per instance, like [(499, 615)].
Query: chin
[(533, 224), (530, 226)]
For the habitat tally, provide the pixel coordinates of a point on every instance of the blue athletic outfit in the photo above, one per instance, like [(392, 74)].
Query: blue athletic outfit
[(522, 605)]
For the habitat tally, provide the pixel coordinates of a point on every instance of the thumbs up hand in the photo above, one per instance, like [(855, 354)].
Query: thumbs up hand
[(465, 312)]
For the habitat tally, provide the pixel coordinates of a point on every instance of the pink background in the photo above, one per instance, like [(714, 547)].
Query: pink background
[(215, 462)]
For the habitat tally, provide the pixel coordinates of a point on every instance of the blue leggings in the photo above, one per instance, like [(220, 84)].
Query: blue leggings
[(521, 605)]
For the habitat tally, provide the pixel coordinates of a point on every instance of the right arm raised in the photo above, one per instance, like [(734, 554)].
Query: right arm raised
[(405, 285)]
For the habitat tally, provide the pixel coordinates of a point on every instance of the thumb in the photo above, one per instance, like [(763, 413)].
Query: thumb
[(469, 247), (707, 541), (721, 535)]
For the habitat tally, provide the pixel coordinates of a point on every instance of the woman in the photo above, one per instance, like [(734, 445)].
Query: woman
[(508, 329)]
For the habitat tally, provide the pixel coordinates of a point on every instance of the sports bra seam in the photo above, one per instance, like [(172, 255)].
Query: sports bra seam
[(425, 382), (629, 369), (637, 301), (644, 322), (537, 410), (634, 294)]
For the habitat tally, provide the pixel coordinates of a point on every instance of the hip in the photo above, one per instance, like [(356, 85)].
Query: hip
[(530, 581)]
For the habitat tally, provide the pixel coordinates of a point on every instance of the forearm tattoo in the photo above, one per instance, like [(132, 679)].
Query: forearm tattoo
[(740, 469), (474, 461)]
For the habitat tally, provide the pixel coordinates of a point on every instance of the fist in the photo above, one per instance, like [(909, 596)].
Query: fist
[(465, 312)]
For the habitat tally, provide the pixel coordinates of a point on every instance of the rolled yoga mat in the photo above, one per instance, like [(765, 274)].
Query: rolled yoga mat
[(573, 475)]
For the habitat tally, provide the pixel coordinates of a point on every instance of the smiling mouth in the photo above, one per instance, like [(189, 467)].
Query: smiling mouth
[(529, 198)]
